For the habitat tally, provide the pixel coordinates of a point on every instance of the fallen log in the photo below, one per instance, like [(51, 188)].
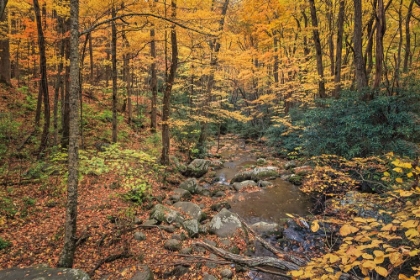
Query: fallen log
[(296, 260), (253, 262)]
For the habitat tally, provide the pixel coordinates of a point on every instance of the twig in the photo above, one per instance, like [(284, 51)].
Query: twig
[(109, 259)]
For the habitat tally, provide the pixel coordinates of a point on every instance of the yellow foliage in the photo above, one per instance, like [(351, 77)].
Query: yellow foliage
[(348, 229)]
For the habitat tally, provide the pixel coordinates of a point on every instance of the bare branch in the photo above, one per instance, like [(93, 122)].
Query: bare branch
[(120, 17)]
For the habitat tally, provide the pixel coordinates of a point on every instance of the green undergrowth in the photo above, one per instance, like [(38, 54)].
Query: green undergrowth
[(134, 171)]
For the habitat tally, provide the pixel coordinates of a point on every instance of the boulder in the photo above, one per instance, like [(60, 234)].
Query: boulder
[(258, 173), (261, 173), (303, 170), (180, 194), (192, 227), (224, 223), (164, 214), (32, 273), (290, 164), (264, 184), (197, 168), (262, 227), (192, 209), (242, 176), (139, 236), (144, 274), (248, 183), (226, 273), (261, 161), (172, 245), (191, 185)]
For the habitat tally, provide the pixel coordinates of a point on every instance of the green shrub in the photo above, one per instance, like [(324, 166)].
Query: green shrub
[(4, 244), (7, 207), (351, 127)]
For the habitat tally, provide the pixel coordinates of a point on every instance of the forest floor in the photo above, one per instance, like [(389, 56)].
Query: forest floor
[(33, 212), (33, 201)]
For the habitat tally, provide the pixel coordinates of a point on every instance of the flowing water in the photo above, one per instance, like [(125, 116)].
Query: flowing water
[(269, 204)]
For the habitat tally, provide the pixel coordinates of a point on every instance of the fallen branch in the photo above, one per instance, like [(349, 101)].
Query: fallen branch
[(254, 262), (296, 260), (109, 259)]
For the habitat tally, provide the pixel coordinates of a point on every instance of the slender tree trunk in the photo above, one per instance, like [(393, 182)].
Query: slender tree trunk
[(59, 80), (408, 37), (67, 255), (91, 79), (153, 80), (330, 18), (5, 72), (318, 50), (396, 81), (359, 65), (43, 82), (66, 100), (164, 159), (276, 60), (339, 51), (380, 32), (3, 4), (368, 58), (114, 76)]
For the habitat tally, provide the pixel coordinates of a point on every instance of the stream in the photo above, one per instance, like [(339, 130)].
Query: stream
[(270, 204)]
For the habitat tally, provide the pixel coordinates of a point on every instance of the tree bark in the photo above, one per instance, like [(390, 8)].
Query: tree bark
[(59, 80), (407, 52), (43, 82), (359, 65), (114, 76), (380, 32), (5, 73), (153, 80), (164, 159), (318, 51), (3, 4), (67, 255), (339, 51)]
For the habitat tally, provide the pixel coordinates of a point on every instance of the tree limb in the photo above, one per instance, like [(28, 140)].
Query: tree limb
[(120, 17), (254, 262)]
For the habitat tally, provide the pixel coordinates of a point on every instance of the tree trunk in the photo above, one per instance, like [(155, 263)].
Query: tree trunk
[(318, 50), (408, 37), (359, 65), (380, 32), (164, 159), (330, 18), (59, 80), (91, 77), (153, 80), (66, 100), (3, 4), (69, 248), (114, 75), (43, 82), (339, 51), (5, 72), (276, 60)]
